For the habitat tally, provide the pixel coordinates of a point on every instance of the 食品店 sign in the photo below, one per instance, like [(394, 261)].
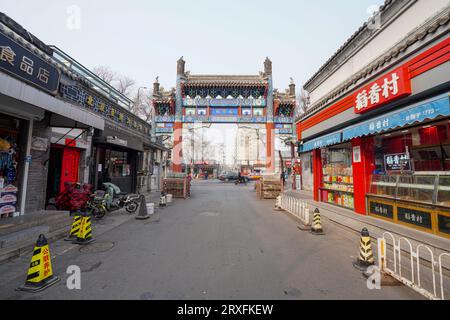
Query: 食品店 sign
[(392, 86), (397, 162), (25, 65)]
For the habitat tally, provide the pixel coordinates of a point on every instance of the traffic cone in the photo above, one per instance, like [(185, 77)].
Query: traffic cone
[(143, 212), (85, 234), (163, 200), (316, 228), (365, 258), (75, 229), (40, 274)]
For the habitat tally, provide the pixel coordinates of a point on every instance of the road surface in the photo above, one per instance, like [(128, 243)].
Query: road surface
[(222, 243)]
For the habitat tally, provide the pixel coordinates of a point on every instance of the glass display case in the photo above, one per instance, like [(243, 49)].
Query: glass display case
[(426, 189), (420, 201), (443, 192)]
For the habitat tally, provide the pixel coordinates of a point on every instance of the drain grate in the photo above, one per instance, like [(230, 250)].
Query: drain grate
[(98, 247)]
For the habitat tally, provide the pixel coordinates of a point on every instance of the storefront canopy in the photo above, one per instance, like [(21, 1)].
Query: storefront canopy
[(437, 107), (324, 141)]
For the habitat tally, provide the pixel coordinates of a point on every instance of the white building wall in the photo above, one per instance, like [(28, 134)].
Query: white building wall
[(414, 16)]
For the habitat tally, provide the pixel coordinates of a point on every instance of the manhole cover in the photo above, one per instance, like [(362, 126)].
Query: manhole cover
[(210, 214), (97, 247)]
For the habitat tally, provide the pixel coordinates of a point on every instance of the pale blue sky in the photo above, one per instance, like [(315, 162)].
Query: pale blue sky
[(143, 39)]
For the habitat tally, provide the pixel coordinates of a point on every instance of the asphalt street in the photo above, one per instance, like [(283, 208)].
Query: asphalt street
[(222, 243)]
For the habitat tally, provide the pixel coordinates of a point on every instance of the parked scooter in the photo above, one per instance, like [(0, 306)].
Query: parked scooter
[(118, 200)]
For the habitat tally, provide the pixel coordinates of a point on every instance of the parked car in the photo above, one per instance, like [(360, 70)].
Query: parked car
[(231, 176)]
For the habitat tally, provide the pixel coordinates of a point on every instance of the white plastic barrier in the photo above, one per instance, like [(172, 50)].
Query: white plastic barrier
[(394, 269), (296, 207), (169, 198)]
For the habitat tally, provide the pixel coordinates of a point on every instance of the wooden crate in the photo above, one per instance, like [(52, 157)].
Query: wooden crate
[(178, 187), (270, 188)]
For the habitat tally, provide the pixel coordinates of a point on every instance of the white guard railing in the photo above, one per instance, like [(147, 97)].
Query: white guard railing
[(296, 207), (394, 266)]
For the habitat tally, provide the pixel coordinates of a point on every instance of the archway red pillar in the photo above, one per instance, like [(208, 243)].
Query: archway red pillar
[(270, 157), (177, 152)]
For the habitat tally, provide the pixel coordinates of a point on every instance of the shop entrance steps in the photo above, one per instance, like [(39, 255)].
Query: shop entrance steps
[(18, 235)]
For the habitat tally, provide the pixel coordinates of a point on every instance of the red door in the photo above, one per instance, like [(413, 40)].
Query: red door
[(70, 165)]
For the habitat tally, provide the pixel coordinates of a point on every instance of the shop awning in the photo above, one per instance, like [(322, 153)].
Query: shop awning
[(437, 107), (324, 141)]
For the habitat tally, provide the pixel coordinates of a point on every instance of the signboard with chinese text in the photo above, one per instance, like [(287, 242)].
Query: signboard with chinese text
[(415, 217), (397, 162), (381, 209), (25, 65), (322, 142), (407, 116), (392, 86)]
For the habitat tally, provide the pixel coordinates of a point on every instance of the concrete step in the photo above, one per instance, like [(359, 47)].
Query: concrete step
[(12, 225), (19, 236)]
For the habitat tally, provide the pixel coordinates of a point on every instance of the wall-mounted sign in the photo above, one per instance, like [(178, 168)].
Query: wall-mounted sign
[(322, 142), (391, 86), (25, 65), (39, 144), (357, 154), (381, 209), (397, 162), (415, 217), (117, 141)]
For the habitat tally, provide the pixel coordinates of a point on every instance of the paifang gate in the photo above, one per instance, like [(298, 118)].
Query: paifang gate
[(238, 99)]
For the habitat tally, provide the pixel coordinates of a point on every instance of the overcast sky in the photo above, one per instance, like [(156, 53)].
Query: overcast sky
[(143, 39)]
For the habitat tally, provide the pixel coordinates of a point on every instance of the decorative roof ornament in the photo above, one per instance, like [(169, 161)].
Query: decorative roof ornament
[(181, 64), (268, 67)]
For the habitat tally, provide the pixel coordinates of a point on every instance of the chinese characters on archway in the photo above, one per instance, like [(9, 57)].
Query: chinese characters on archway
[(388, 88)]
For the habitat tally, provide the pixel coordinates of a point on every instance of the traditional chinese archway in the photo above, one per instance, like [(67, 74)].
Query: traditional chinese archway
[(238, 99)]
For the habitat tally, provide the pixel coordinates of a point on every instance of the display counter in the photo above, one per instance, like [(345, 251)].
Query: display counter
[(420, 201)]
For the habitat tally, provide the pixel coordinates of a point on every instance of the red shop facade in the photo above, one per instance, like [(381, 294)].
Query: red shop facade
[(384, 149)]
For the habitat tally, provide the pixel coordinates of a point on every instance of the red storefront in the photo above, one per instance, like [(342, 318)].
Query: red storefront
[(390, 156)]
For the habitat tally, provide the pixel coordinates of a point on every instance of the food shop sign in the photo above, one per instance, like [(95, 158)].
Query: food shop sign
[(390, 87)]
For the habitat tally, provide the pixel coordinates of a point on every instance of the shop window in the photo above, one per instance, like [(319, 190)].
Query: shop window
[(10, 143), (246, 112), (426, 148), (118, 164), (337, 187)]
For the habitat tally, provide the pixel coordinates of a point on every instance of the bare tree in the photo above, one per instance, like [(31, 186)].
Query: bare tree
[(142, 105), (125, 85), (105, 73)]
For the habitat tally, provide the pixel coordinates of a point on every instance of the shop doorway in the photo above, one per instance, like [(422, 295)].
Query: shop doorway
[(64, 163)]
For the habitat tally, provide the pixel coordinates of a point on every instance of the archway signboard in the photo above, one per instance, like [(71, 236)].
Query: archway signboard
[(238, 99)]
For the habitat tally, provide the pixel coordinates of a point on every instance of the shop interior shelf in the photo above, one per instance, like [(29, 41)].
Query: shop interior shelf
[(342, 183), (333, 190)]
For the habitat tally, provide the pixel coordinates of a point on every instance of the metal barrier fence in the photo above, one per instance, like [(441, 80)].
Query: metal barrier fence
[(415, 280), (296, 207)]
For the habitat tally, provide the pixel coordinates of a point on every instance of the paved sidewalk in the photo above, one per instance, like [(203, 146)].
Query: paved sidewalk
[(17, 267)]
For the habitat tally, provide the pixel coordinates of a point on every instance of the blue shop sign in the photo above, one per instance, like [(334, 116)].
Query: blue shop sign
[(22, 63), (322, 142), (407, 116)]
